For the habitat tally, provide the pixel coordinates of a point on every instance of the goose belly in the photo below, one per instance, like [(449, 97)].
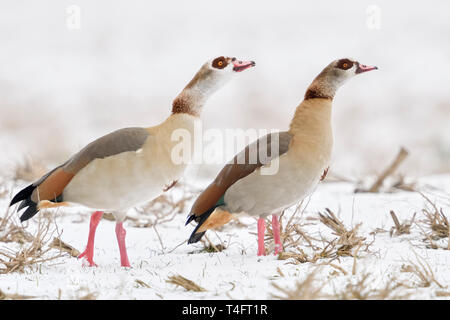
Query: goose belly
[(261, 195), (121, 182)]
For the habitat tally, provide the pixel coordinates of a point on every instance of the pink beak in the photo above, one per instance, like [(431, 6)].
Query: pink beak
[(363, 68), (239, 66)]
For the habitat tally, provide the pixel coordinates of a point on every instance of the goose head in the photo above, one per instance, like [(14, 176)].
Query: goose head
[(334, 76), (216, 72), (230, 65)]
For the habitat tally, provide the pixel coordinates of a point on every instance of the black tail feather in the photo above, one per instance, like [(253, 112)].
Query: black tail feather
[(30, 212), (25, 203), (195, 237), (25, 196), (190, 218)]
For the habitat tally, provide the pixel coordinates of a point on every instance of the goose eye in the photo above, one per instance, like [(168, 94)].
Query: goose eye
[(219, 63), (345, 65)]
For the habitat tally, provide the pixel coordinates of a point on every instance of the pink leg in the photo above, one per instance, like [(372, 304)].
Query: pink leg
[(276, 234), (89, 252), (261, 232), (121, 233)]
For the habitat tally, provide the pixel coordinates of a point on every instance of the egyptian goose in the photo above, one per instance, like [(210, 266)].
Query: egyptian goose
[(300, 155), (129, 166)]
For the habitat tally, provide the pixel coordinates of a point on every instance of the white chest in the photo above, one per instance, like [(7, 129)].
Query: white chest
[(296, 177), (128, 179)]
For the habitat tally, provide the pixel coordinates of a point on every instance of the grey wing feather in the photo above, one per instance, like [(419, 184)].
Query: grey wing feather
[(265, 149), (255, 155), (123, 140), (246, 198)]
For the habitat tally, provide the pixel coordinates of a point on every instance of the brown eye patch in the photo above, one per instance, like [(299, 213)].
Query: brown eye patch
[(344, 64), (219, 63)]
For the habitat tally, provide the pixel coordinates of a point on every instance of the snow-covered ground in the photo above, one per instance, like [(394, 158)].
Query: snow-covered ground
[(62, 87), (159, 252)]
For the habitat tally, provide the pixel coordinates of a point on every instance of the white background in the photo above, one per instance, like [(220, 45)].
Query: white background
[(62, 88)]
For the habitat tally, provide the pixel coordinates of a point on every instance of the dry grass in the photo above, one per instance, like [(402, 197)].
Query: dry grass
[(347, 240), (7, 296), (57, 243), (15, 233), (442, 294), (297, 257), (400, 228), (424, 275), (11, 232), (33, 248), (291, 231), (437, 224), (293, 236), (185, 283), (85, 294), (303, 290), (329, 251), (399, 183), (360, 288), (210, 247), (32, 253), (351, 287), (140, 283)]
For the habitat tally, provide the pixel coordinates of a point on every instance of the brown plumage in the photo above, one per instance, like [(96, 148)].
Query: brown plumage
[(129, 166), (51, 186), (303, 159), (239, 167)]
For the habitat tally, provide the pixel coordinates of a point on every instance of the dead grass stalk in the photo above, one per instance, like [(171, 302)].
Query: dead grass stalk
[(181, 281), (303, 290), (32, 253)]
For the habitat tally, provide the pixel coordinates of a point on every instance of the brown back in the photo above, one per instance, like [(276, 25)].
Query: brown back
[(238, 169), (52, 185)]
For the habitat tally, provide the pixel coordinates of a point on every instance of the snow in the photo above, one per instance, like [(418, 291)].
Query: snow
[(236, 272), (62, 88)]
